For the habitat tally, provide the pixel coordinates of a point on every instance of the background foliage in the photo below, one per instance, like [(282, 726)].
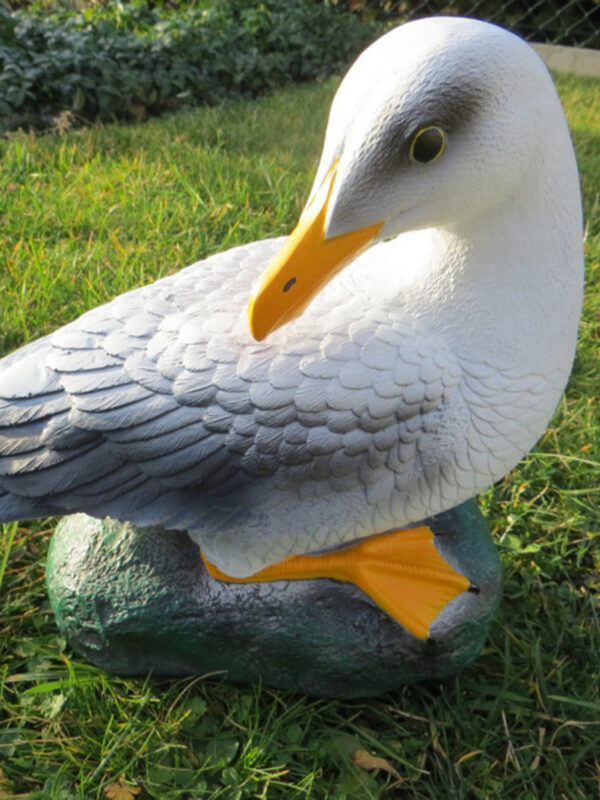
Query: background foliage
[(93, 59), (125, 60)]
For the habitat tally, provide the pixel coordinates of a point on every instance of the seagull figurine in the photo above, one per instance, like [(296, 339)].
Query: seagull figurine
[(300, 405)]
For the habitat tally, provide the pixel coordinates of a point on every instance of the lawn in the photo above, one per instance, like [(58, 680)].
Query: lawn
[(87, 214)]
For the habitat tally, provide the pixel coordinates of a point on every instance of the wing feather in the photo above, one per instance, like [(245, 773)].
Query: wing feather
[(152, 406)]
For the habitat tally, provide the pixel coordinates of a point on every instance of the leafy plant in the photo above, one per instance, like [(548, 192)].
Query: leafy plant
[(126, 60)]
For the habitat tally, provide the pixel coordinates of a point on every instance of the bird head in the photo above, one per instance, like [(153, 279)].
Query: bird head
[(436, 121)]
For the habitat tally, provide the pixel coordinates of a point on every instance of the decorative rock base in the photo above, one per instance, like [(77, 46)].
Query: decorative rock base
[(139, 600)]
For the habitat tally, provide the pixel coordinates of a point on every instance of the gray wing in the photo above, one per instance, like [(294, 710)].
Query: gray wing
[(160, 408)]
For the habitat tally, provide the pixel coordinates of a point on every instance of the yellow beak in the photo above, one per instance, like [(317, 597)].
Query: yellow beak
[(305, 263)]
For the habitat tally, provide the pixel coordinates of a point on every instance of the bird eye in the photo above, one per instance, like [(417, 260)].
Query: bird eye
[(428, 144)]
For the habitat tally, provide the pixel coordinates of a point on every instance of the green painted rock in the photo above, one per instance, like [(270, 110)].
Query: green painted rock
[(139, 600)]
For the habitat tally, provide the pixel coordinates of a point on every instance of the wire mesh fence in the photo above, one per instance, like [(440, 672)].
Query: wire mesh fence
[(567, 22)]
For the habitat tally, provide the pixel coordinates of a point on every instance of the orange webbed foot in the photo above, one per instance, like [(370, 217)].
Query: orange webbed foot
[(402, 571)]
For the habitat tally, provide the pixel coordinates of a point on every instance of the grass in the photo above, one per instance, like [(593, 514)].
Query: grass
[(87, 214)]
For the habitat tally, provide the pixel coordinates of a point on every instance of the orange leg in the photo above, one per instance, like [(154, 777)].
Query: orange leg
[(402, 571)]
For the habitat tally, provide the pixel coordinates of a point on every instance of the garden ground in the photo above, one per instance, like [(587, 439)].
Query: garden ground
[(87, 214)]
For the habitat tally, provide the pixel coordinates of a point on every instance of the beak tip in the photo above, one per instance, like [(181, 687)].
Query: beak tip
[(255, 330)]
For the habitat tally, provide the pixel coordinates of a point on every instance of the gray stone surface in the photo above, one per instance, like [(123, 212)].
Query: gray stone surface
[(135, 601)]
